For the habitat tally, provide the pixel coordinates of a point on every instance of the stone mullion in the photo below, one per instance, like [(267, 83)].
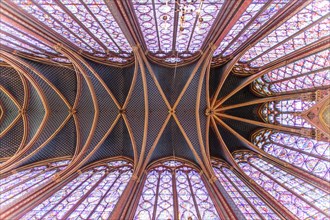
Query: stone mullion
[(156, 199), (128, 206), (220, 203), (193, 196)]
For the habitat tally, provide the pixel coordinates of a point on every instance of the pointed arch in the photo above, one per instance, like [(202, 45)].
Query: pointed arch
[(173, 188)]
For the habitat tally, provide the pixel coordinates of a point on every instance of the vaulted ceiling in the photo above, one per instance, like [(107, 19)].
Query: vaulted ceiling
[(145, 79)]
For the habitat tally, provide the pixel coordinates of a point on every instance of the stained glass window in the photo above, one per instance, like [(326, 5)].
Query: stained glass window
[(302, 152), (91, 195), (286, 112), (21, 41), (251, 206), (304, 200), (310, 24), (23, 183), (87, 24), (173, 190), (309, 73), (159, 27), (257, 14)]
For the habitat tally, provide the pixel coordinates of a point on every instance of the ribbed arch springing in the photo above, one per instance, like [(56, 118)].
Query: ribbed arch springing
[(250, 204), (18, 185), (308, 73), (309, 25), (91, 195), (308, 154), (304, 200), (175, 190)]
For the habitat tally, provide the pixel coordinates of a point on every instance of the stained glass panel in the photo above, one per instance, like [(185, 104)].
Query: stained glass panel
[(170, 179), (286, 112), (309, 73), (299, 197), (237, 190), (305, 27), (87, 24), (257, 14), (23, 183), (158, 25), (302, 152), (91, 195)]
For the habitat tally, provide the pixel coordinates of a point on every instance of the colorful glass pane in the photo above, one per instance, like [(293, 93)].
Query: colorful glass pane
[(21, 36), (87, 24), (302, 152), (305, 27), (157, 198), (91, 195), (286, 112), (157, 23), (237, 190), (308, 73), (256, 15), (302, 199), (21, 184)]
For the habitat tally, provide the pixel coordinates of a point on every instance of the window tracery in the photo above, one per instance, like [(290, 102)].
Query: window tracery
[(174, 190), (299, 197), (310, 24), (286, 112), (257, 14), (20, 40), (159, 25), (309, 73), (91, 195), (251, 206), (22, 183), (305, 153), (89, 25)]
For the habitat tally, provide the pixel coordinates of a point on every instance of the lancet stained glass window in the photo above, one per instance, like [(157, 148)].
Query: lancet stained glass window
[(251, 206), (19, 40), (189, 22), (91, 195), (286, 112), (307, 26), (256, 15), (309, 73), (89, 25), (300, 198), (173, 190), (305, 153), (23, 183)]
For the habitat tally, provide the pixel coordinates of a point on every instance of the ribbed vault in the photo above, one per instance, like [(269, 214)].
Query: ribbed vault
[(119, 85)]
